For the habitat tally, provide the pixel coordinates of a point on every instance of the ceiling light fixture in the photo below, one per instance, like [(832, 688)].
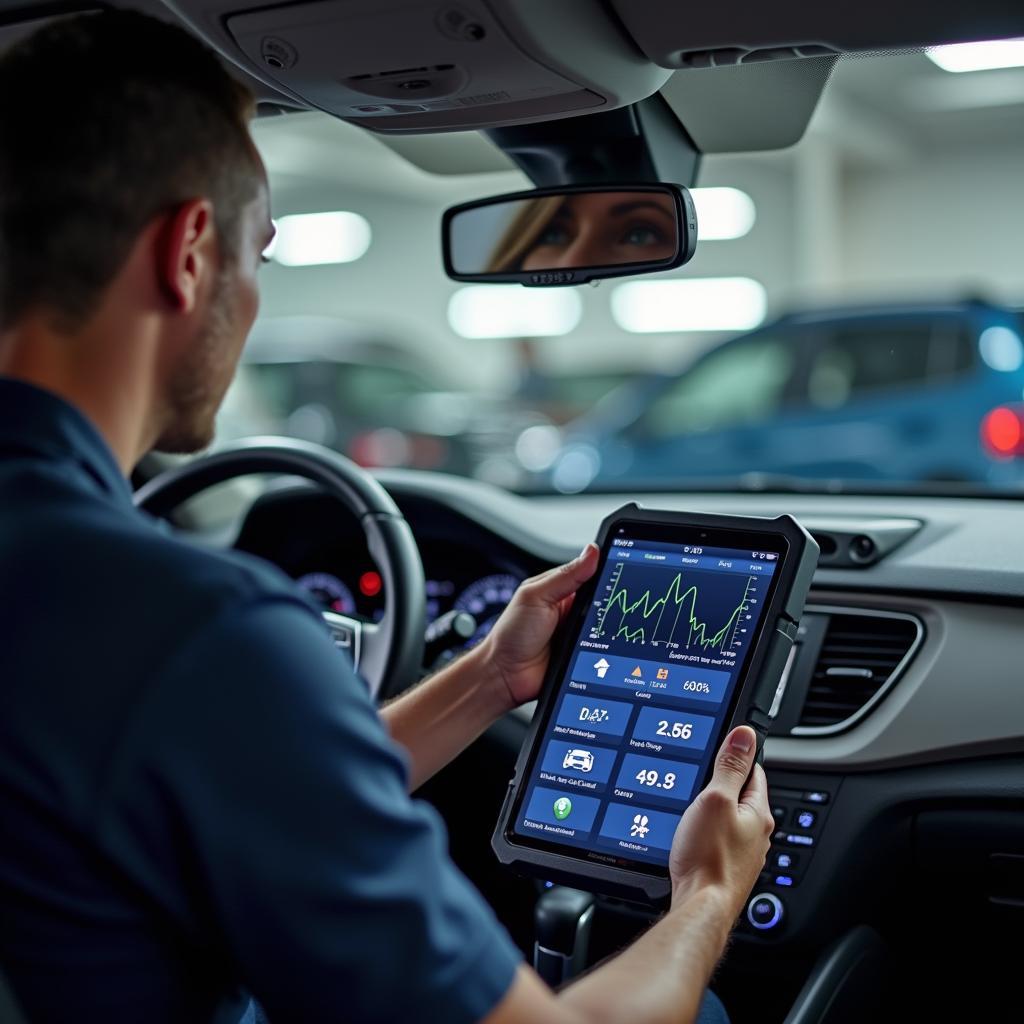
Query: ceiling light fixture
[(723, 213), (997, 53), (311, 239), (503, 311), (691, 304)]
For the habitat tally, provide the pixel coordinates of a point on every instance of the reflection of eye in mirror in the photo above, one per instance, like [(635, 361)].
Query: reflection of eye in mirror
[(553, 233), (597, 230)]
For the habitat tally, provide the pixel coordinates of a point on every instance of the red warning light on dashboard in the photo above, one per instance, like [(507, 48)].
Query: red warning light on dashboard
[(370, 584)]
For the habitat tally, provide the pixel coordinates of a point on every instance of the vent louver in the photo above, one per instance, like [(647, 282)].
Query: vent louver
[(860, 657)]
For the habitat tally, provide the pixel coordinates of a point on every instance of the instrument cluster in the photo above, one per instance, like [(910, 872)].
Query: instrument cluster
[(463, 596)]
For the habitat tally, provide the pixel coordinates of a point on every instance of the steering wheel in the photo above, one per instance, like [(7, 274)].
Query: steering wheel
[(388, 654)]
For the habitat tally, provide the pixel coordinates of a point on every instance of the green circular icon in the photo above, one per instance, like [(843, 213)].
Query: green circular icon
[(563, 808)]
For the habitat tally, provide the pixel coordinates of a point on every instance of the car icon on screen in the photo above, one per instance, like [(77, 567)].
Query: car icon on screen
[(581, 760)]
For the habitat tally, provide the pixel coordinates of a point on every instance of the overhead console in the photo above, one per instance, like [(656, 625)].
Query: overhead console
[(400, 67), (408, 67)]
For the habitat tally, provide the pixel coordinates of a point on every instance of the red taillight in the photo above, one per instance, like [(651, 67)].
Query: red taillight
[(1002, 432), (381, 447)]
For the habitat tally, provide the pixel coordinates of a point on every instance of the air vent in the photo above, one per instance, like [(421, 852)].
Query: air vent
[(731, 55), (828, 546), (858, 543), (861, 657)]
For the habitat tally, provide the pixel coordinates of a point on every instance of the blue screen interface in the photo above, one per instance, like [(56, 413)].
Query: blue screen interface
[(638, 714)]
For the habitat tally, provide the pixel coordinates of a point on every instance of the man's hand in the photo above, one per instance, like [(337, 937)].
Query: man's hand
[(519, 646), (440, 718), (724, 837), (719, 849)]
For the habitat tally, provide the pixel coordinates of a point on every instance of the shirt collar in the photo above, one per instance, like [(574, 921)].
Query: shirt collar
[(35, 421)]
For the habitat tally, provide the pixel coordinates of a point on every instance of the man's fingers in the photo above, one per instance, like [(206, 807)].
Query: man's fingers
[(755, 794), (732, 766), (754, 801), (562, 582)]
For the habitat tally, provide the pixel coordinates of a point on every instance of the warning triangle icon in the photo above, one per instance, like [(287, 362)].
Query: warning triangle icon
[(636, 672)]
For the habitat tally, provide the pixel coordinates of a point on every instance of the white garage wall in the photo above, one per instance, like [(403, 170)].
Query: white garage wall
[(951, 223), (397, 289)]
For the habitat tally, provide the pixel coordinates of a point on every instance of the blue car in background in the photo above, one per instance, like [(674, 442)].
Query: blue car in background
[(887, 393)]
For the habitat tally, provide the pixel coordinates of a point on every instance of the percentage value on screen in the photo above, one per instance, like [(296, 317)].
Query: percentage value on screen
[(696, 686)]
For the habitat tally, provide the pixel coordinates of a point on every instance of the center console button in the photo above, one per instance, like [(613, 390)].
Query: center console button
[(798, 839), (765, 911), (806, 818)]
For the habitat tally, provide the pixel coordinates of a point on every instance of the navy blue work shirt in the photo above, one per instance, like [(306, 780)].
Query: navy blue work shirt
[(196, 793)]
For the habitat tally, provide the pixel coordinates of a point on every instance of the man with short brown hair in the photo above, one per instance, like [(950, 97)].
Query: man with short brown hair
[(199, 798)]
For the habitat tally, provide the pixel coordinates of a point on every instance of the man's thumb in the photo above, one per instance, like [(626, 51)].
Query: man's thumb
[(734, 761)]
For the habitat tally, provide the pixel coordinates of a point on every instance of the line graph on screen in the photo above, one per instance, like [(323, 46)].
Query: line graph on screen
[(695, 610)]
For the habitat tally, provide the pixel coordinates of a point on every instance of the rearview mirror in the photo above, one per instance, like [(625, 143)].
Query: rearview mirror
[(570, 235)]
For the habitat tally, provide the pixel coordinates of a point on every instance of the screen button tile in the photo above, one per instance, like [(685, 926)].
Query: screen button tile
[(667, 780), (580, 763), (594, 715), (639, 826), (659, 727), (663, 678), (568, 814)]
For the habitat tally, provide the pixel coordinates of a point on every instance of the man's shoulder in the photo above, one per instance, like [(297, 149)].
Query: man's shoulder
[(124, 567), (193, 580), (224, 572)]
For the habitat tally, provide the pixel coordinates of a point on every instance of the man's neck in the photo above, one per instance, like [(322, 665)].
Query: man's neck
[(107, 378)]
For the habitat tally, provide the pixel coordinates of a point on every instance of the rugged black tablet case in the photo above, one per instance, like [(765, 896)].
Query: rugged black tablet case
[(764, 670)]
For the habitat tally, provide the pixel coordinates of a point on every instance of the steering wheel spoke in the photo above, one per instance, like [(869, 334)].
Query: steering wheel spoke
[(366, 643), (347, 633), (375, 641)]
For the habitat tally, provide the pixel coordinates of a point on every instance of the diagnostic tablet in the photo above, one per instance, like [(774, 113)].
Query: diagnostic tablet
[(684, 632)]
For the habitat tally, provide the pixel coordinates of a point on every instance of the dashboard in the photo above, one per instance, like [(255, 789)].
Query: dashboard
[(470, 575), (896, 763)]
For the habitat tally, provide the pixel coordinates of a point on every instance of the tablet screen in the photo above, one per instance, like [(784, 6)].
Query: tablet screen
[(647, 692)]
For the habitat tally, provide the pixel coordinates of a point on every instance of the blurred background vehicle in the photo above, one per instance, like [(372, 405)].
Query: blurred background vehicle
[(564, 396), (322, 379), (911, 393)]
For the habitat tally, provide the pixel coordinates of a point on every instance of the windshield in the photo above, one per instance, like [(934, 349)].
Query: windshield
[(852, 317)]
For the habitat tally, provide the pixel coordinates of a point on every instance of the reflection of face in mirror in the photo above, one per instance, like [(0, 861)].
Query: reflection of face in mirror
[(588, 230)]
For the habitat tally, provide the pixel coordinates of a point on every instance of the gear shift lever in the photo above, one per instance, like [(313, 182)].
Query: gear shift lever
[(562, 920)]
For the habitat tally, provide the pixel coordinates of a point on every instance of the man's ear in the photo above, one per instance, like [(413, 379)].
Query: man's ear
[(186, 254)]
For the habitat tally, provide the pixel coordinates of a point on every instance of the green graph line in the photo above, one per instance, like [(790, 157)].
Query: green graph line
[(698, 630)]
